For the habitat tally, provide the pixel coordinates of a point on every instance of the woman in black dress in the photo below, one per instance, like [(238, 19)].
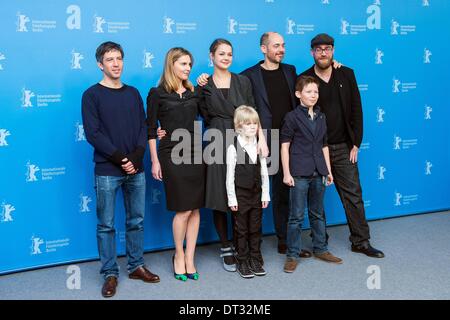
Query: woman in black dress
[(175, 104), (224, 92)]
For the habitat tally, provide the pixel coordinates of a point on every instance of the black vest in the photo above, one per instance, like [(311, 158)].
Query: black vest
[(247, 175)]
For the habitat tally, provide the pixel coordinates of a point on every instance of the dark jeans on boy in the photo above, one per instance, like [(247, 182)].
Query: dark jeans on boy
[(306, 192)]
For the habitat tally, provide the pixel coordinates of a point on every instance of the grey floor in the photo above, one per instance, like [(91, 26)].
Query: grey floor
[(416, 266)]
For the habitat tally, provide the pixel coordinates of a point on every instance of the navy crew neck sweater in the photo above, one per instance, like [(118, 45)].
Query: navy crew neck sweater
[(114, 124)]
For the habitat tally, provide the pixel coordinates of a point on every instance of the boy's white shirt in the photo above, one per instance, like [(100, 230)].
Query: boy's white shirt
[(251, 149)]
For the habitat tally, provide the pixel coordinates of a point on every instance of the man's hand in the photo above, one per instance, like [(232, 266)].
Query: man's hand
[(288, 180), (160, 133), (202, 79), (234, 208), (265, 204), (128, 166), (156, 171), (337, 64), (354, 154)]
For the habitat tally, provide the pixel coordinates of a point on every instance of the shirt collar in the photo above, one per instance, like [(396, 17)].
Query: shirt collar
[(243, 142)]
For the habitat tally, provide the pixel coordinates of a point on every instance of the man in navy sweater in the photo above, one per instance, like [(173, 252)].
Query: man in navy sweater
[(114, 123)]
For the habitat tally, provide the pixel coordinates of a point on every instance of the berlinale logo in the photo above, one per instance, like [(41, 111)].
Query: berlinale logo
[(6, 212), (378, 55), (84, 203), (232, 24), (3, 134), (380, 115), (75, 61), (426, 55), (22, 21), (381, 171), (290, 26), (147, 61), (79, 132), (168, 23), (98, 24), (2, 57), (32, 169), (26, 98), (36, 242), (428, 110)]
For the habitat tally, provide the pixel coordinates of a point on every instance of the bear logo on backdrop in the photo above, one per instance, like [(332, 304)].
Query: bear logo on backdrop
[(2, 57), (36, 243), (147, 61), (84, 203), (32, 169), (3, 134), (26, 98), (79, 132), (6, 212), (75, 61)]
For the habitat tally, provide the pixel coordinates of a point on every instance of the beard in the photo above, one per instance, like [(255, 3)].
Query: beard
[(273, 58), (323, 63)]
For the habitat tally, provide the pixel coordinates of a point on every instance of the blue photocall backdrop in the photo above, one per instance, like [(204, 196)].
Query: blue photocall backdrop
[(398, 49)]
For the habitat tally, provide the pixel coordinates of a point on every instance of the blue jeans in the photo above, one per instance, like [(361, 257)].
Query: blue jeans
[(133, 189), (308, 191)]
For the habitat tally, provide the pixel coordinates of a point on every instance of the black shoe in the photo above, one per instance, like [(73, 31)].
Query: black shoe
[(305, 254), (256, 267), (282, 248), (244, 270), (368, 250)]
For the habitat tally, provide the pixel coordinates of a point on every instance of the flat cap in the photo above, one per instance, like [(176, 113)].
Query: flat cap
[(322, 38)]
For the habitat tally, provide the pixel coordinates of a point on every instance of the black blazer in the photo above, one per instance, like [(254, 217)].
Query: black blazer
[(215, 108), (260, 94), (350, 102), (305, 151)]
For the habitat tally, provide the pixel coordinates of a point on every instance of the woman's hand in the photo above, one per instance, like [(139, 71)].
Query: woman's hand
[(330, 179), (234, 208), (263, 149), (156, 171)]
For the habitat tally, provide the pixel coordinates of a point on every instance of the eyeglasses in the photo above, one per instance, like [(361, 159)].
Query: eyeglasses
[(319, 50)]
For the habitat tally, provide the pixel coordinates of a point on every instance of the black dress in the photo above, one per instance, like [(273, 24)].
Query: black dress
[(218, 112), (183, 174)]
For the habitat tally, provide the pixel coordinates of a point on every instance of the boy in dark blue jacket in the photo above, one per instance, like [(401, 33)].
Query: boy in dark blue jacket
[(306, 166)]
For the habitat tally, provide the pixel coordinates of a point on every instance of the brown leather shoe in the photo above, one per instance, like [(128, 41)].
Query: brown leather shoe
[(290, 265), (328, 257), (109, 287), (144, 274), (305, 254)]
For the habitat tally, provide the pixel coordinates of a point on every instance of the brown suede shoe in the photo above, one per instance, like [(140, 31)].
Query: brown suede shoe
[(145, 275), (290, 265), (328, 257), (109, 287)]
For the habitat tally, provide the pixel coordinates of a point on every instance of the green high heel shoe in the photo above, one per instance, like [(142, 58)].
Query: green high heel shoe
[(178, 276), (193, 276)]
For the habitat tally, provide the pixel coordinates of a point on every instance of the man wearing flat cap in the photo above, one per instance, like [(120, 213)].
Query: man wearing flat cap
[(340, 100)]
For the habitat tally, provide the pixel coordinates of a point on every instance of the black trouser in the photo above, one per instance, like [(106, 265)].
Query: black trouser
[(221, 224), (346, 180), (280, 205), (248, 227)]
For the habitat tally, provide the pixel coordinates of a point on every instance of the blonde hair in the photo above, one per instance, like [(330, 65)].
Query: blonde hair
[(245, 115), (168, 78)]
